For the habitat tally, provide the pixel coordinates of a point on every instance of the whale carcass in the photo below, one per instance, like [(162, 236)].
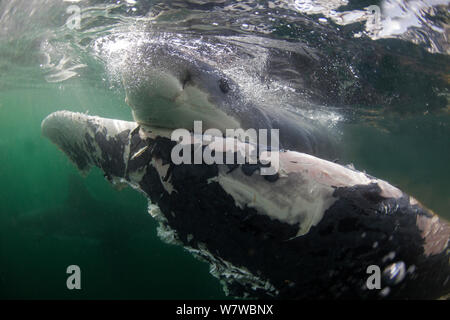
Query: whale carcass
[(310, 231)]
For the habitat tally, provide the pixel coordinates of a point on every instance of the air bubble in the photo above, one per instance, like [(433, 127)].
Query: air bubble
[(395, 273), (385, 292)]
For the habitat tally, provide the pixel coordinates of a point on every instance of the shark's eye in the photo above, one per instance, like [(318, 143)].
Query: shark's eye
[(223, 85)]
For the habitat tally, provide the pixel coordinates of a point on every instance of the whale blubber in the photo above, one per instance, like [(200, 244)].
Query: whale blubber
[(250, 232)]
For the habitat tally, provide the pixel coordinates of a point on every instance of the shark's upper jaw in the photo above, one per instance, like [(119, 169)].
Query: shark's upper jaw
[(264, 235)]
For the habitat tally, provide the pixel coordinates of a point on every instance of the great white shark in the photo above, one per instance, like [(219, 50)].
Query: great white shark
[(310, 231), (171, 84)]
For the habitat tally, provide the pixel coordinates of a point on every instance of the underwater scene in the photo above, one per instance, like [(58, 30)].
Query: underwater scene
[(282, 149)]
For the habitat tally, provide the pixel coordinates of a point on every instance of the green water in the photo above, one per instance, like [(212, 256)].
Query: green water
[(35, 175)]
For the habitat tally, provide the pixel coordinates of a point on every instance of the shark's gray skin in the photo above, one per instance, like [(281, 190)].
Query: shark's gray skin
[(311, 231)]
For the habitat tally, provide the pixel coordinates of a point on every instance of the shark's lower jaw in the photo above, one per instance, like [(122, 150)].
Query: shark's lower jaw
[(309, 232)]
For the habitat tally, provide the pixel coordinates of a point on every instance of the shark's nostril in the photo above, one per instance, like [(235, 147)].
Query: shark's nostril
[(224, 86)]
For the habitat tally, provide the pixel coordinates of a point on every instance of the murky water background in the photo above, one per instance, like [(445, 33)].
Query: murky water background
[(51, 217)]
